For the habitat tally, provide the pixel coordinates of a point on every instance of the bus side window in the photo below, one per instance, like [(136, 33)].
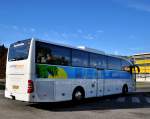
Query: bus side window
[(98, 61), (60, 55), (38, 59), (52, 54), (80, 58), (114, 63), (41, 51), (49, 59)]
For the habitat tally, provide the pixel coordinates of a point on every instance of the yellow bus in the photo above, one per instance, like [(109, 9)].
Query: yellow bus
[(143, 61)]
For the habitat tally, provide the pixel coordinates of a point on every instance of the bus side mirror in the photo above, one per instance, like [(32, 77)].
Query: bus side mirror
[(138, 68), (133, 67)]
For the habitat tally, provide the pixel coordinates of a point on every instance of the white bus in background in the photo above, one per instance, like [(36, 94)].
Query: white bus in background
[(40, 71)]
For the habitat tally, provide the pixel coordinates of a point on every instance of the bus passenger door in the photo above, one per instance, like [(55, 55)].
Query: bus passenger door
[(100, 83)]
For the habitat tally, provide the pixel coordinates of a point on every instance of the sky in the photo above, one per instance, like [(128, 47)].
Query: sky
[(120, 27)]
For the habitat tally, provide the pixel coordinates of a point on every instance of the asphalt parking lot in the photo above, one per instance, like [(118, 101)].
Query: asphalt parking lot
[(131, 106)]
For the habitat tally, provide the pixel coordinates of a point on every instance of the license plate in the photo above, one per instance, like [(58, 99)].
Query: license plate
[(15, 87)]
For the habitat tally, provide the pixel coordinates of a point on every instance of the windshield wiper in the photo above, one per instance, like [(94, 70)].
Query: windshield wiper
[(15, 59)]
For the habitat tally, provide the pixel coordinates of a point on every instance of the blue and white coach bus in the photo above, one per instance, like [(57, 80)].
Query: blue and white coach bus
[(40, 71)]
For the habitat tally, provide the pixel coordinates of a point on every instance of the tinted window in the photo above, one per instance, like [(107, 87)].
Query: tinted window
[(98, 61), (52, 54), (125, 65), (19, 50), (114, 63), (79, 58)]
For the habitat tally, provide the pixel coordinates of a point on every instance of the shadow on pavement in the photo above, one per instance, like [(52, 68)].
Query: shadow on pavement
[(97, 104)]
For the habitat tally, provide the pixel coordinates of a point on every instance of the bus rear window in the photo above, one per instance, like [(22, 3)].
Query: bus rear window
[(19, 50)]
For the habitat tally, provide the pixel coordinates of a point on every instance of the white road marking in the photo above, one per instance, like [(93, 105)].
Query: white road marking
[(147, 99), (135, 100), (121, 99)]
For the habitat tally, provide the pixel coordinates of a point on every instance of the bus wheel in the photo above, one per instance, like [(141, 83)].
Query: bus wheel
[(78, 95), (125, 90)]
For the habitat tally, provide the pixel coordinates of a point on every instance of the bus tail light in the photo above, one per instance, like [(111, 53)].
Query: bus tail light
[(30, 86)]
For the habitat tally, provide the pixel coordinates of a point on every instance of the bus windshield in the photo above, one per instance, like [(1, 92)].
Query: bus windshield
[(19, 50)]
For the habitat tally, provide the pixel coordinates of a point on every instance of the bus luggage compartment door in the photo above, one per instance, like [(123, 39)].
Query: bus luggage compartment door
[(45, 90)]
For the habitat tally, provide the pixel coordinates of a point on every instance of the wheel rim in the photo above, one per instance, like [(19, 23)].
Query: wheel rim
[(78, 95)]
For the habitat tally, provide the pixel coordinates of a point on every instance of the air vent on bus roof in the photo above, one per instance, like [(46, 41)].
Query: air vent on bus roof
[(91, 49)]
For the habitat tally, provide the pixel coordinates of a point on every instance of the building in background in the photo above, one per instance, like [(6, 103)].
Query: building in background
[(143, 61), (3, 57)]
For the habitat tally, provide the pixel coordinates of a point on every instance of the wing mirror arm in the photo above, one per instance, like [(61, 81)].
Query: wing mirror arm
[(137, 68), (134, 66)]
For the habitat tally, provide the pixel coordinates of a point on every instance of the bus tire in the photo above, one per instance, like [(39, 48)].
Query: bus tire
[(78, 94), (125, 89)]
